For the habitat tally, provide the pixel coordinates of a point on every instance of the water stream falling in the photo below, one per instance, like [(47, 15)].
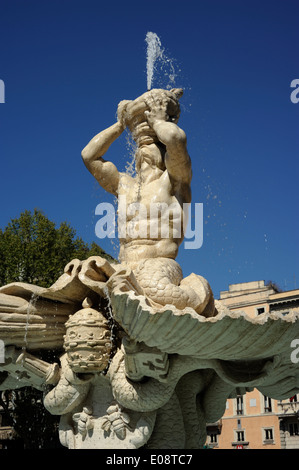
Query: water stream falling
[(156, 54), (112, 324), (31, 305)]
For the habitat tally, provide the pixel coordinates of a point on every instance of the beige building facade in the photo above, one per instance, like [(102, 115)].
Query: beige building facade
[(253, 421)]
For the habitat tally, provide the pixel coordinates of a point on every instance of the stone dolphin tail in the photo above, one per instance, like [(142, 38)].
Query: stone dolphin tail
[(153, 393), (68, 393), (162, 281)]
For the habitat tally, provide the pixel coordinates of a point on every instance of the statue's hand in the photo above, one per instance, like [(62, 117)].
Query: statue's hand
[(157, 104), (125, 280), (122, 112)]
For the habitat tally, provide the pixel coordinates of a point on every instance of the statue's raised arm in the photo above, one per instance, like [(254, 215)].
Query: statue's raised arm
[(162, 116), (105, 172)]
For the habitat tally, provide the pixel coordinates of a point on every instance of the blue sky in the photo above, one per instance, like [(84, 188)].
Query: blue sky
[(67, 64)]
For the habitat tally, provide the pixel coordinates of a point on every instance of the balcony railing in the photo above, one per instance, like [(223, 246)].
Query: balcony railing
[(289, 408)]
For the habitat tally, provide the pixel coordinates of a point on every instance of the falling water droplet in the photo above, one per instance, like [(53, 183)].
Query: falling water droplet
[(31, 304), (111, 320)]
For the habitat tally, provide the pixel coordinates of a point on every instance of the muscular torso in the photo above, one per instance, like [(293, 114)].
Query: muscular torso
[(150, 218)]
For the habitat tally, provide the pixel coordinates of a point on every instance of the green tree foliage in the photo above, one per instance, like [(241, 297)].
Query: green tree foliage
[(33, 427), (33, 250)]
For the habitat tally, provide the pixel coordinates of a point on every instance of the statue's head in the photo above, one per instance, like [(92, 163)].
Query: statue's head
[(133, 112)]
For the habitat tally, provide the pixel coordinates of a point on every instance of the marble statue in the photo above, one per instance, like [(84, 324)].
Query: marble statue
[(148, 356), (163, 178)]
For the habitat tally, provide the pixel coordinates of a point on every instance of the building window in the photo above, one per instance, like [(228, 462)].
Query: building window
[(293, 399), (239, 405), (267, 405), (293, 429), (214, 438), (260, 310), (240, 436), (268, 434)]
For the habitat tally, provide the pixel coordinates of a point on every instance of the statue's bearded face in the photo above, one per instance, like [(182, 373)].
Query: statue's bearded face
[(153, 157)]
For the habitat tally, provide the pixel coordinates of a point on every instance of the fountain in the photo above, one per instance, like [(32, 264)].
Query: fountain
[(147, 357)]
